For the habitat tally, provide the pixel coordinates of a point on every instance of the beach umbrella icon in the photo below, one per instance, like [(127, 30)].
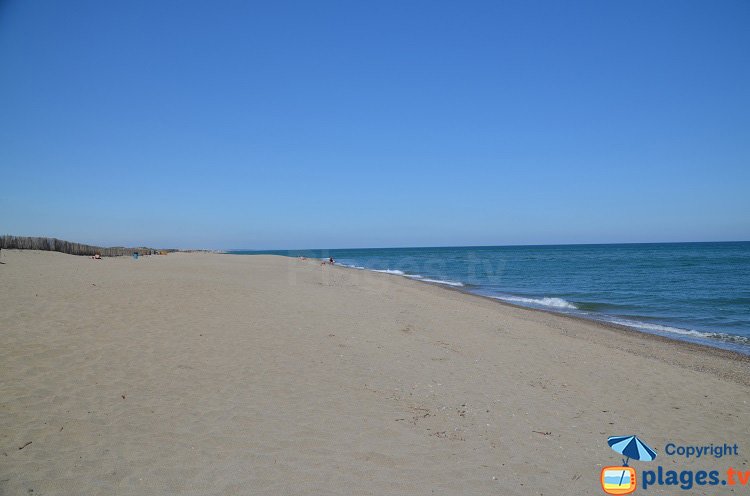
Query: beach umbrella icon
[(631, 447)]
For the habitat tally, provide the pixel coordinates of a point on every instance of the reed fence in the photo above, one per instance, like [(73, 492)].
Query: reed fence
[(54, 244)]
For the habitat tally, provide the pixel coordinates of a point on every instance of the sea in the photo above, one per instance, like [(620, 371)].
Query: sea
[(697, 292)]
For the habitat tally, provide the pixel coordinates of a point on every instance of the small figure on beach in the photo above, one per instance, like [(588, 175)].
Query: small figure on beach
[(331, 260), (96, 257)]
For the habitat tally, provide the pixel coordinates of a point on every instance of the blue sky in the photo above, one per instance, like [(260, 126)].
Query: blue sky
[(363, 124)]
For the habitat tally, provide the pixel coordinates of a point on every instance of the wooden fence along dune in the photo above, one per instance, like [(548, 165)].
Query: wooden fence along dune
[(53, 244)]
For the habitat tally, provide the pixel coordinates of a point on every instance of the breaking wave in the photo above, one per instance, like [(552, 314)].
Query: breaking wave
[(545, 302)]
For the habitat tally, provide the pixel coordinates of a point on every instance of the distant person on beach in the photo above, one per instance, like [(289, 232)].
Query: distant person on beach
[(331, 260)]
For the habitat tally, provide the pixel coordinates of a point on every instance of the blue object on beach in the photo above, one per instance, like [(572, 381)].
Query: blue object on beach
[(135, 255), (631, 447)]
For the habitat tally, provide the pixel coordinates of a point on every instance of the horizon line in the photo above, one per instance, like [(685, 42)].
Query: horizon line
[(483, 246)]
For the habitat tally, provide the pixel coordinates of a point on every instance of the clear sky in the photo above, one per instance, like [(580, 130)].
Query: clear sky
[(362, 124)]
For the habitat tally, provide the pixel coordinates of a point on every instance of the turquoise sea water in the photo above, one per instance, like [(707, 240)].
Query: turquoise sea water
[(697, 292)]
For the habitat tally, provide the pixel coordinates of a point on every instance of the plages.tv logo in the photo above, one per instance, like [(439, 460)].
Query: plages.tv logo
[(623, 479)]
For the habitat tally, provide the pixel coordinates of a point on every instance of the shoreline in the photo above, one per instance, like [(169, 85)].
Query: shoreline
[(680, 345), (685, 291), (699, 343), (702, 347)]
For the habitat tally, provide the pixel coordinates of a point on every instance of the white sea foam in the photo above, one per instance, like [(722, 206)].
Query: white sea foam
[(448, 283), (545, 302), (662, 328), (389, 271), (418, 277), (358, 267), (735, 342)]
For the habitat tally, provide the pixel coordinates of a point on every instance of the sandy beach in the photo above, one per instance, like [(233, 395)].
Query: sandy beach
[(209, 374)]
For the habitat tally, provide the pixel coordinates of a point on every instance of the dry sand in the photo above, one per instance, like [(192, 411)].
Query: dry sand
[(217, 374)]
